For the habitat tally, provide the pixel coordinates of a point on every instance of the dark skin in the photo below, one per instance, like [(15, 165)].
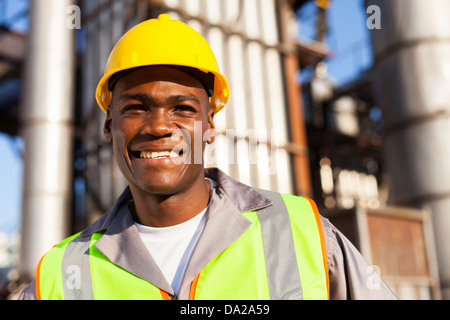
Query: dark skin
[(150, 105)]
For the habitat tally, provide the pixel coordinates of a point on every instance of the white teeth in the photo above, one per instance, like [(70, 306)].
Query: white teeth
[(158, 154)]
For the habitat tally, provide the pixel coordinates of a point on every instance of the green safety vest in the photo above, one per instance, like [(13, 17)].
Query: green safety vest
[(257, 266)]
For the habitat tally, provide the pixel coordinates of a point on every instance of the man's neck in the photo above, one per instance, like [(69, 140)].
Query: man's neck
[(167, 210)]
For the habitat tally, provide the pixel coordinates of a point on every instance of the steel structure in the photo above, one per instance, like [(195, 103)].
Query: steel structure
[(412, 75), (46, 126)]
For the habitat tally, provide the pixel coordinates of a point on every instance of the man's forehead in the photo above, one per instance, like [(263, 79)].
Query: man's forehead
[(171, 86), (157, 73), (168, 73)]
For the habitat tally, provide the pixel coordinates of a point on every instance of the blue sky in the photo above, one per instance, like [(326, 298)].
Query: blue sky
[(348, 37), (11, 170), (11, 166), (348, 40)]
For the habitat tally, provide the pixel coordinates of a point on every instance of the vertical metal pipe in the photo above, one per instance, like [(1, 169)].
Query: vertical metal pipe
[(412, 74), (295, 113), (46, 115)]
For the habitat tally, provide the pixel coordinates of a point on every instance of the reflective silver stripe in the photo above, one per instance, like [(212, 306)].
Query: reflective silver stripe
[(279, 251), (76, 271)]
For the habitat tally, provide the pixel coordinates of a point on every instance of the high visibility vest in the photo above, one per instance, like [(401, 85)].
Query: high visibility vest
[(282, 255)]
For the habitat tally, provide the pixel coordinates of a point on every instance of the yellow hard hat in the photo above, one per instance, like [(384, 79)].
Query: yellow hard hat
[(163, 41)]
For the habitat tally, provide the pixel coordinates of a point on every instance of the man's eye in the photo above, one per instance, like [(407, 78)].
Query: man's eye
[(134, 107), (184, 108)]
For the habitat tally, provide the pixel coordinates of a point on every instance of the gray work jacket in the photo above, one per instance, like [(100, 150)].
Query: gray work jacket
[(351, 277)]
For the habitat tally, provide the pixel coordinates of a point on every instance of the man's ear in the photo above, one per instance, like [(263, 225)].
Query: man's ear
[(211, 133), (107, 126)]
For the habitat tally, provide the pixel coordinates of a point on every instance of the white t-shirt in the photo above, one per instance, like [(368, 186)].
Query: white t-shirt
[(172, 247)]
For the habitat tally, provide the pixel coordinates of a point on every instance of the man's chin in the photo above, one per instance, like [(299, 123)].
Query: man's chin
[(166, 182), (160, 187), (161, 190)]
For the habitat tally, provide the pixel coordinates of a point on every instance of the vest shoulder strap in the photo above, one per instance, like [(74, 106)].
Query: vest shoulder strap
[(291, 227), (49, 283), (279, 251)]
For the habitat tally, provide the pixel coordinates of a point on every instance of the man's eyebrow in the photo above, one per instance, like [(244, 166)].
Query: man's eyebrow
[(179, 98), (143, 97)]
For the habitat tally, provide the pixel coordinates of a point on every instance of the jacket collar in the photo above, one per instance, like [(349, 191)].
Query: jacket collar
[(245, 198), (122, 244)]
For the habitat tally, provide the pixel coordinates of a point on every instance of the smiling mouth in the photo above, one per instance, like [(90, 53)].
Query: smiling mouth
[(157, 154)]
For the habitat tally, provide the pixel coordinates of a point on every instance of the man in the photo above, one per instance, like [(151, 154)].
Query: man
[(180, 231)]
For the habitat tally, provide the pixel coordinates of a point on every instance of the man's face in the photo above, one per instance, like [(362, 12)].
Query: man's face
[(153, 109)]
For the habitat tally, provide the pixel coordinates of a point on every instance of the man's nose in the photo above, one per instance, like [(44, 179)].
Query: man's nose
[(158, 123)]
